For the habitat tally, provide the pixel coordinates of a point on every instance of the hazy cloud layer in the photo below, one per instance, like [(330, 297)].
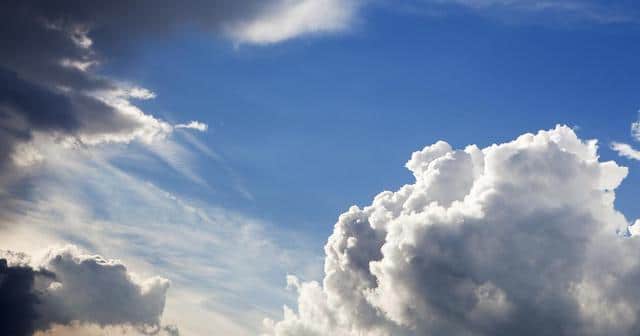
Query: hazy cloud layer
[(537, 11), (66, 286), (207, 252), (520, 238)]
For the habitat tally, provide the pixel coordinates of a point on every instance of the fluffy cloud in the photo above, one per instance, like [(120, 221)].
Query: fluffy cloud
[(68, 289), (514, 239)]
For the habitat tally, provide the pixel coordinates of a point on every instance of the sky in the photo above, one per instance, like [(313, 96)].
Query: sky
[(192, 168)]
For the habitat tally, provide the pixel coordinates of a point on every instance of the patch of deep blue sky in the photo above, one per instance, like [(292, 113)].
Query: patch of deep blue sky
[(314, 125)]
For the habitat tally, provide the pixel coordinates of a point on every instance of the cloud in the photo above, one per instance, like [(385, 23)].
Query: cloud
[(287, 19), (67, 286), (80, 329), (519, 238), (196, 125), (50, 84), (536, 11), (625, 150), (49, 88), (84, 198)]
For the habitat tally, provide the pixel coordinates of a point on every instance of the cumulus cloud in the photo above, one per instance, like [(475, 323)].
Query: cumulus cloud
[(69, 289), (519, 238)]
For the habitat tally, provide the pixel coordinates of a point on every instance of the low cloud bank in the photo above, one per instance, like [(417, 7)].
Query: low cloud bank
[(519, 238), (67, 290)]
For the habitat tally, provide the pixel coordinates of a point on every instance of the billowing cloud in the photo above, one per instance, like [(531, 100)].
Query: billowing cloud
[(69, 289), (519, 238)]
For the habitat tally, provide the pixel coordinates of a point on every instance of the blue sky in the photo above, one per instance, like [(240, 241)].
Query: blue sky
[(310, 107), (318, 124)]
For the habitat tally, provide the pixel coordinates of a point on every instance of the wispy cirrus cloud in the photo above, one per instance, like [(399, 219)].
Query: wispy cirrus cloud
[(535, 11), (209, 253), (61, 120)]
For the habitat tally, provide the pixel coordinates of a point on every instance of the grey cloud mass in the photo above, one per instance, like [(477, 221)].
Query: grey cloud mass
[(68, 287), (520, 238)]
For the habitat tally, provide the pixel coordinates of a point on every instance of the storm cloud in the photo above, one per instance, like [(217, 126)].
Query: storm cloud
[(70, 288), (520, 238)]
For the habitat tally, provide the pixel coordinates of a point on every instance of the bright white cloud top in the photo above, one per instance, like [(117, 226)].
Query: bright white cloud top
[(513, 239)]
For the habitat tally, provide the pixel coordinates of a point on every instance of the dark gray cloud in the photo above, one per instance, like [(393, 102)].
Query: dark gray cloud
[(71, 288), (18, 300)]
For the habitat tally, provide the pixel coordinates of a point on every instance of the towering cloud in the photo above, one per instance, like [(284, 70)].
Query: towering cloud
[(69, 288), (520, 238)]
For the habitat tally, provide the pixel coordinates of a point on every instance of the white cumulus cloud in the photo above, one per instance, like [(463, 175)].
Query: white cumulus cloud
[(519, 238)]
